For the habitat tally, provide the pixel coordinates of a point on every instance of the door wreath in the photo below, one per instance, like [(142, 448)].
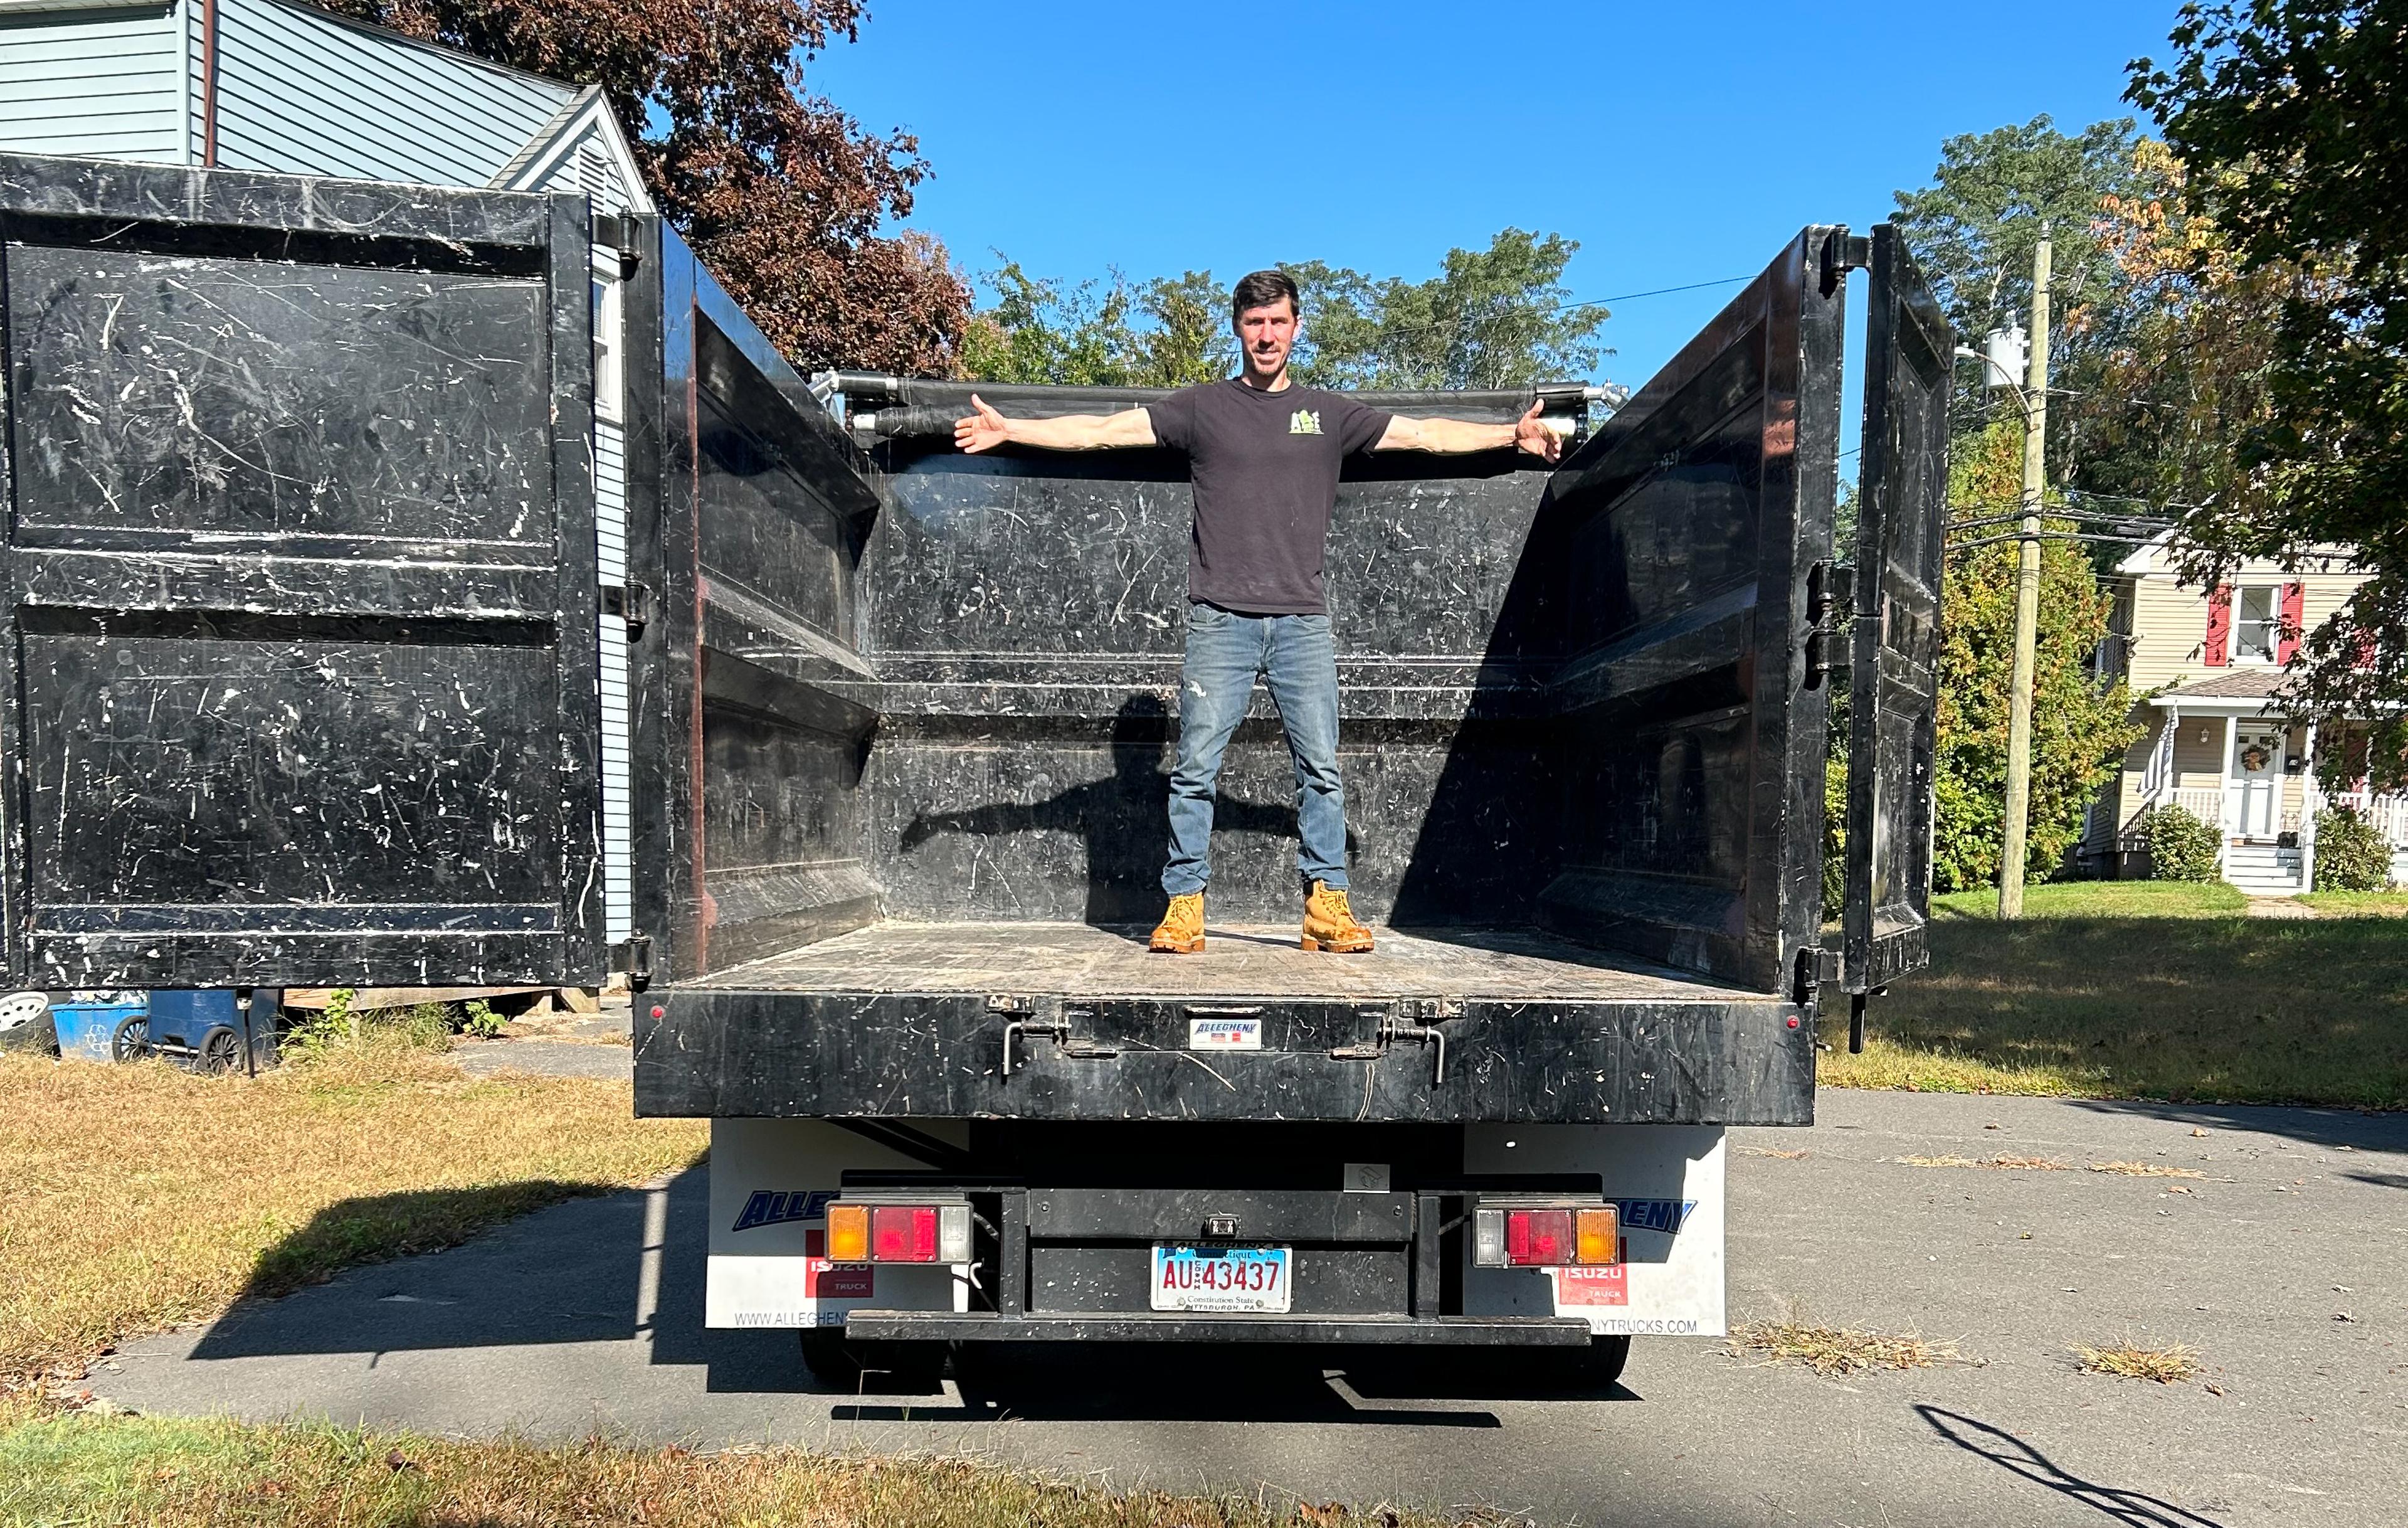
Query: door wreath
[(2254, 757)]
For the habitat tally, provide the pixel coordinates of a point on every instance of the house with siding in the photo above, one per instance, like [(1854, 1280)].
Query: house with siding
[(277, 86), (2204, 665)]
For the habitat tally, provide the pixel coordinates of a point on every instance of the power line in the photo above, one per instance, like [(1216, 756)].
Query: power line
[(1574, 306)]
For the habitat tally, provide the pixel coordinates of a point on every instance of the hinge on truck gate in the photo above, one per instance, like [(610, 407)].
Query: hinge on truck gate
[(618, 235), (1842, 252), (1830, 600), (631, 603), (634, 956)]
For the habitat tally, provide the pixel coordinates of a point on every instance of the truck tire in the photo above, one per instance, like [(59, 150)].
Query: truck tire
[(872, 1368), (1598, 1368)]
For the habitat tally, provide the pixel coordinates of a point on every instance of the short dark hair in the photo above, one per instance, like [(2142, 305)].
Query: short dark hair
[(1260, 289)]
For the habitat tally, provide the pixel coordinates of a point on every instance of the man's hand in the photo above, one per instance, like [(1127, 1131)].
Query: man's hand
[(982, 431), (1535, 438)]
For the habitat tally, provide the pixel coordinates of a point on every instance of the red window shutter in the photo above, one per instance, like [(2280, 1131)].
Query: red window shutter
[(2295, 604), (2219, 627)]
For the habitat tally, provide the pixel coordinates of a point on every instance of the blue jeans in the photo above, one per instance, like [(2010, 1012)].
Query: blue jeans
[(1295, 656)]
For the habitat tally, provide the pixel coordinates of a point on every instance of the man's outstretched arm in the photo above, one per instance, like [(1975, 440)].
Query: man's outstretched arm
[(1455, 437), (986, 430)]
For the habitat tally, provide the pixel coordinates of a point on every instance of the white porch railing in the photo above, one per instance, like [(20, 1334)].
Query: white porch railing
[(2389, 813), (2204, 802)]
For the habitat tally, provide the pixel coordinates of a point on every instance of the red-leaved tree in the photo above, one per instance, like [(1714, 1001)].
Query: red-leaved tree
[(779, 192)]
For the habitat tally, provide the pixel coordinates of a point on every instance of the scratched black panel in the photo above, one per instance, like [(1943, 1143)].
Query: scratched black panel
[(386, 771), (278, 399), (299, 582)]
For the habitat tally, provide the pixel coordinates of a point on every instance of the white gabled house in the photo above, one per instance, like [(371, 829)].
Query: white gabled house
[(278, 86), (2204, 665)]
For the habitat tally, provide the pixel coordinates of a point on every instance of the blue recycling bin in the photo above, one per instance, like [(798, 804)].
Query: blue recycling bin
[(103, 1026), (215, 1028)]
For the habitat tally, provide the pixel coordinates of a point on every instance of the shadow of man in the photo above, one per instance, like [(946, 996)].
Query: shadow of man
[(1124, 817)]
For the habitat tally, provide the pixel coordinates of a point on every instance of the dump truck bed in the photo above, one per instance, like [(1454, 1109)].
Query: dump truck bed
[(1074, 960)]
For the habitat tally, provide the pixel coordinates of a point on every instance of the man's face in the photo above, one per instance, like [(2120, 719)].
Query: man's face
[(1266, 334)]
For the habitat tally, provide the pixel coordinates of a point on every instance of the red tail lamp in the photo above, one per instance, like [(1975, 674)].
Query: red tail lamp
[(1545, 1236)]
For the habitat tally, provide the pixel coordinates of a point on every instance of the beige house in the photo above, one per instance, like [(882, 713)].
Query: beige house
[(2204, 665)]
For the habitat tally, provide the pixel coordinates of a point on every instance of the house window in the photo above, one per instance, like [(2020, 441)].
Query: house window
[(607, 350), (2257, 622)]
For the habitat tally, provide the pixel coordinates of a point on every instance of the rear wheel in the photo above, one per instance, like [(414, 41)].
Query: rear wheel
[(132, 1041), (1601, 1364)]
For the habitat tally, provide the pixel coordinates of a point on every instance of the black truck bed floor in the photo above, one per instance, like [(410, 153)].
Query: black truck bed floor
[(1080, 960)]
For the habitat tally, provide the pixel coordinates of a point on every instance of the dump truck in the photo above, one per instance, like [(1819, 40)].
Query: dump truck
[(303, 587)]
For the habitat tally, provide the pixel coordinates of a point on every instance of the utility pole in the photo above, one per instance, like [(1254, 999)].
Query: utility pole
[(2019, 697)]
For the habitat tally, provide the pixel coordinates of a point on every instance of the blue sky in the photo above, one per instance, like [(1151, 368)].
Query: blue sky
[(1678, 143)]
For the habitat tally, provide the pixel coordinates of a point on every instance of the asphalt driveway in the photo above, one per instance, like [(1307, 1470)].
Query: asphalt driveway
[(2286, 1266)]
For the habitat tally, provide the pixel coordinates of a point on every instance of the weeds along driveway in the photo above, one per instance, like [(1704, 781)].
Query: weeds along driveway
[(587, 1316)]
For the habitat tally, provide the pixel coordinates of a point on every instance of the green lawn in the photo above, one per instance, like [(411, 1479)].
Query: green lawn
[(2141, 990), (2360, 905)]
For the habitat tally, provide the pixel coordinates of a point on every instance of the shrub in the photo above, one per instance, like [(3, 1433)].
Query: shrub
[(479, 1022), (2350, 854), (2183, 845)]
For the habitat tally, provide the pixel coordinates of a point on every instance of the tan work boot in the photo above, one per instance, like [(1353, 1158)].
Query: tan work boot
[(1182, 930), (1329, 923)]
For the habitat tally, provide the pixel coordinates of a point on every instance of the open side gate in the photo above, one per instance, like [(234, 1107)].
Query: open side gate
[(297, 592), (1894, 645)]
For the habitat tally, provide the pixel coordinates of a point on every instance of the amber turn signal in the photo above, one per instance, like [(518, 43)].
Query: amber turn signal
[(848, 1232), (1600, 1239)]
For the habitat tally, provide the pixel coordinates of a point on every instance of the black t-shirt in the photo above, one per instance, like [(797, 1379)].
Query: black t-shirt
[(1265, 469)]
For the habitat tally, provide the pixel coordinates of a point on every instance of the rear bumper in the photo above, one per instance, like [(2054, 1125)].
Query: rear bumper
[(1442, 1331)]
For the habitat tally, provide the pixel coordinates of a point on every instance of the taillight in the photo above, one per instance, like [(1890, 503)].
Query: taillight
[(1545, 1236), (848, 1237), (859, 1232), (1537, 1238)]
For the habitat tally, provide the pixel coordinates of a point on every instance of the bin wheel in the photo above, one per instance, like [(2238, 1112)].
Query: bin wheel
[(132, 1041), (871, 1368), (220, 1050)]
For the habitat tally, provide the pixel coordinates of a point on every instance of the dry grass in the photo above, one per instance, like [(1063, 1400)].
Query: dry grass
[(2145, 1170), (87, 1469), (2135, 989), (1841, 1350), (142, 1197), (2176, 1362)]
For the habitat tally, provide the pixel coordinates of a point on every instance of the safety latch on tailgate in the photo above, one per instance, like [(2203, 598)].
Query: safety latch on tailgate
[(1024, 1020), (1410, 1021)]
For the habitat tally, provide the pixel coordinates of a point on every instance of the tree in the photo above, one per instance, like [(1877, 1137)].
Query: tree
[(2183, 359), (1973, 229), (2290, 119), (781, 193), (2080, 728), (1498, 317), (1493, 318)]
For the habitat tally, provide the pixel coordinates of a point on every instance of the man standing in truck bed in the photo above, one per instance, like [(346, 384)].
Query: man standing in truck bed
[(1263, 454)]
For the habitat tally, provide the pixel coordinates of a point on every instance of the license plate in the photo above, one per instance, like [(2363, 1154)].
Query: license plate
[(1221, 1278)]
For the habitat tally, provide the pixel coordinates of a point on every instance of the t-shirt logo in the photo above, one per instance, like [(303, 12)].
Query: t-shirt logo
[(1304, 422)]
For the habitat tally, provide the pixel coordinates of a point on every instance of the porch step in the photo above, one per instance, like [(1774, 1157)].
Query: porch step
[(2263, 869)]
